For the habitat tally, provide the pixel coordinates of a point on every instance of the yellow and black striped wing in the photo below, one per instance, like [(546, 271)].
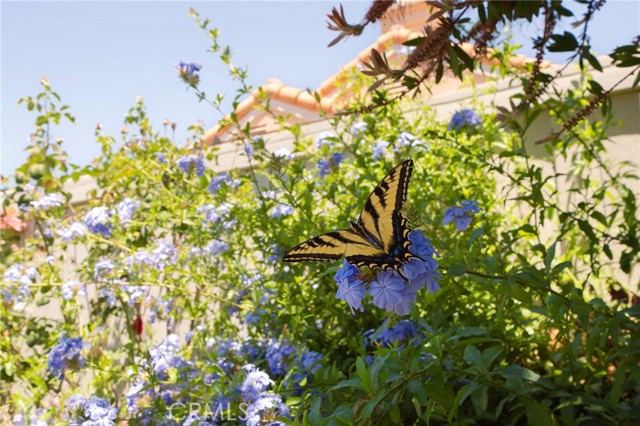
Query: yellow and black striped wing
[(332, 246), (381, 219)]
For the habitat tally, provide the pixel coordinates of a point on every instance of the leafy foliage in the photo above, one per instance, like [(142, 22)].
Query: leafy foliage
[(171, 275)]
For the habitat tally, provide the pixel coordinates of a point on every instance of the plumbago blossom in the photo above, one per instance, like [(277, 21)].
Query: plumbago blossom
[(66, 355), (187, 163), (326, 165), (281, 210), (240, 387), (464, 118), (379, 149), (389, 289), (407, 140), (220, 181), (24, 276), (92, 412), (461, 215), (125, 210), (98, 221), (72, 289), (188, 72), (72, 232), (48, 201)]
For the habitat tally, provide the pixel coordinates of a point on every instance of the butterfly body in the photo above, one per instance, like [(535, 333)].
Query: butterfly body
[(378, 239)]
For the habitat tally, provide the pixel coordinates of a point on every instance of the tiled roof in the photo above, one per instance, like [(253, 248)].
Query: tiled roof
[(328, 100)]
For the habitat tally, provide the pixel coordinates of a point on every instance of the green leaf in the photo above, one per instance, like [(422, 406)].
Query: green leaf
[(474, 235), (563, 42), (417, 388), (538, 414), (365, 378), (560, 267), (515, 371), (518, 293), (372, 404), (394, 409), (457, 270), (548, 258), (480, 399), (472, 356), (351, 383), (440, 394), (378, 363)]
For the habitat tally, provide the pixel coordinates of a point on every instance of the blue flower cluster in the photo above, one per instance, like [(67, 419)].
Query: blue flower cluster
[(72, 232), (265, 408), (358, 128), (48, 201), (284, 153), (188, 71), (327, 164), (98, 220), (464, 118), (164, 254), (32, 419), (277, 354), (380, 149), (407, 139), (66, 355), (16, 273), (461, 215), (388, 336), (92, 412), (221, 180), (281, 210), (242, 382), (389, 289), (125, 209), (187, 163), (325, 139), (102, 268), (72, 289)]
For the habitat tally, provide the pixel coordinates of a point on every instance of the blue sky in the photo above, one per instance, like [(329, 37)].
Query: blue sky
[(99, 56)]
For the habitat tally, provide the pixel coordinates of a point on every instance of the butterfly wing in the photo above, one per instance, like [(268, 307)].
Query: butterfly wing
[(381, 219), (332, 246)]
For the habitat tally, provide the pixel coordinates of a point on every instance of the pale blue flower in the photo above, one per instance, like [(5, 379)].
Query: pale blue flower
[(281, 210), (216, 247), (386, 290), (464, 118), (350, 287), (103, 267), (71, 289), (267, 406), (325, 139), (256, 383), (125, 209), (66, 354), (96, 412), (49, 201), (217, 182), (98, 221), (72, 232), (358, 128), (380, 149), (187, 163), (461, 215)]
